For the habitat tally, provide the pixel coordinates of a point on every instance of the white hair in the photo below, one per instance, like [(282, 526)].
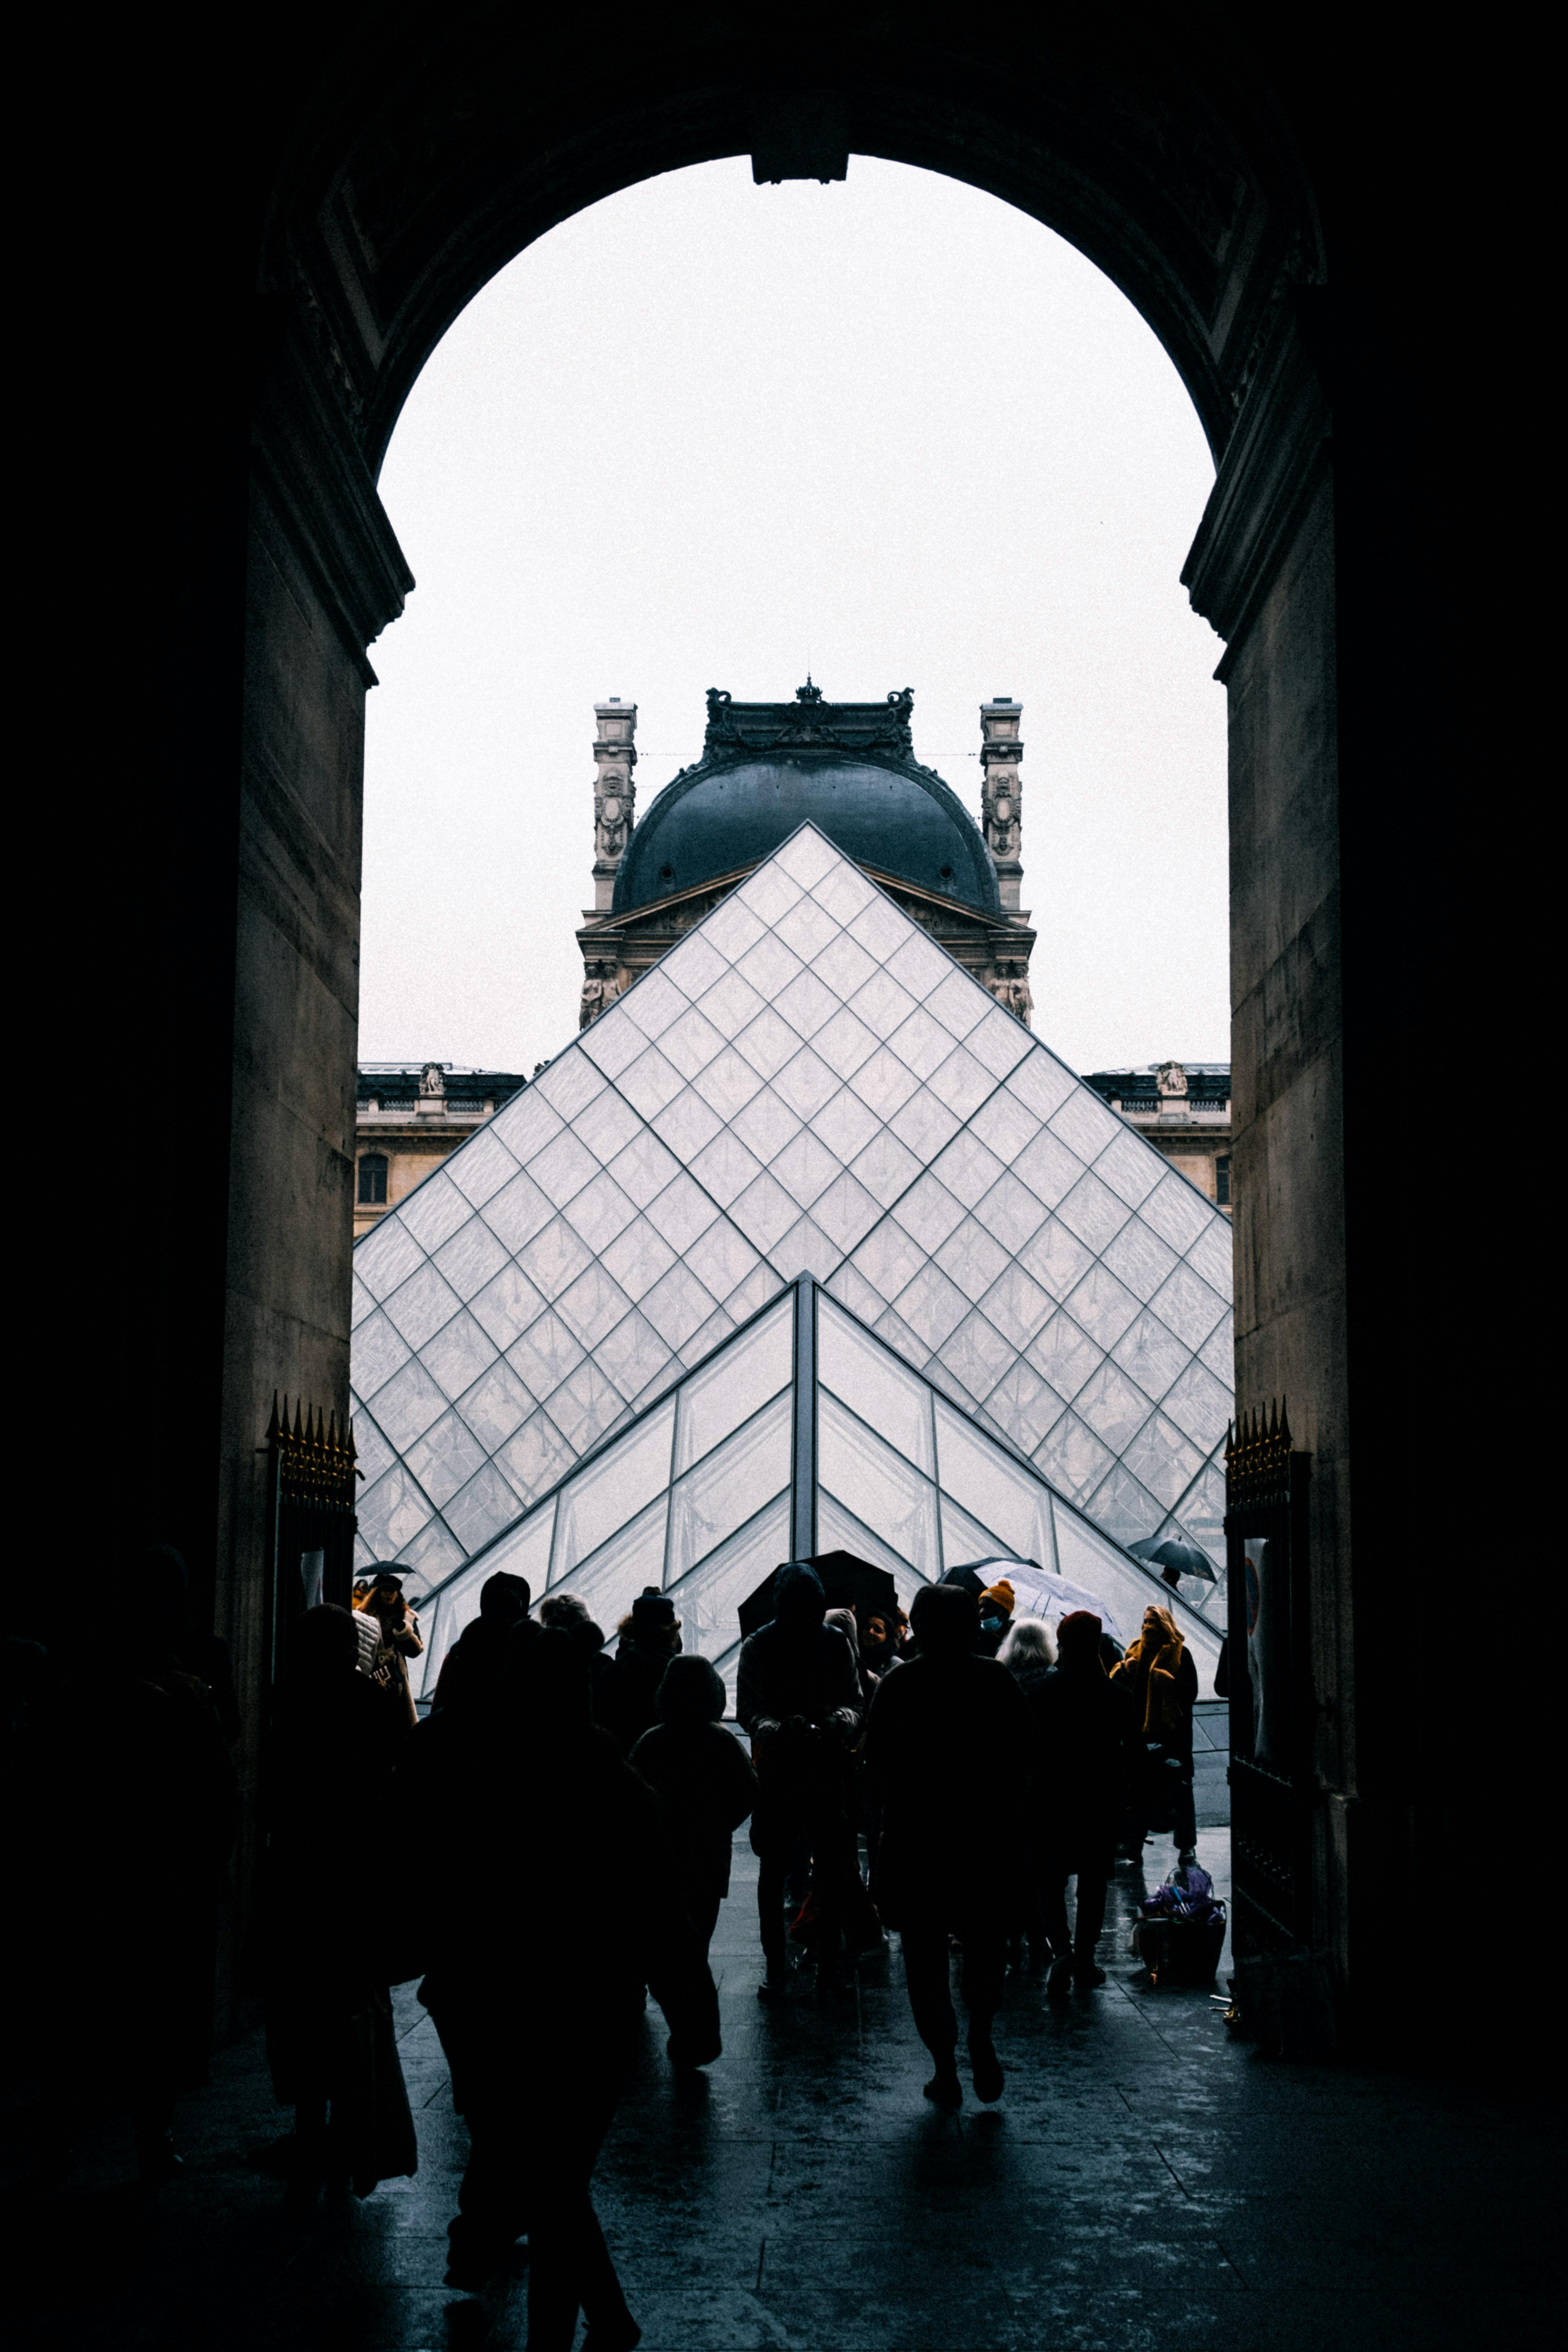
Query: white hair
[(1030, 1645)]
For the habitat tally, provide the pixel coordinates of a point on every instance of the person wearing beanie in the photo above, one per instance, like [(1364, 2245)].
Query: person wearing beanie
[(944, 1742), (628, 1695), (1079, 1738), (703, 1779), (996, 1617)]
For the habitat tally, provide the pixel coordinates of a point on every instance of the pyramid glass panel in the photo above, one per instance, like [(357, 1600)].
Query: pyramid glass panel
[(751, 1460), (807, 1084)]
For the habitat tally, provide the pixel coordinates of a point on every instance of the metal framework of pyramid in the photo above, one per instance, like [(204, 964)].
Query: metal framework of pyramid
[(807, 1084), (803, 1434)]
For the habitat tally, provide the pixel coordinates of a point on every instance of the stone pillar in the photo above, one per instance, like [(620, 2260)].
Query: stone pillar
[(1001, 750), (615, 792)]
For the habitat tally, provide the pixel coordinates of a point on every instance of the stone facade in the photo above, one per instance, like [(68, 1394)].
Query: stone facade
[(409, 1116), (618, 947), (1183, 1108)]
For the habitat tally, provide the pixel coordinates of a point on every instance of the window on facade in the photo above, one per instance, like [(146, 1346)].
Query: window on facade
[(1222, 1180), (373, 1179)]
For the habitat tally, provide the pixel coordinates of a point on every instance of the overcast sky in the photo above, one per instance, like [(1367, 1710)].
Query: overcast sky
[(707, 434)]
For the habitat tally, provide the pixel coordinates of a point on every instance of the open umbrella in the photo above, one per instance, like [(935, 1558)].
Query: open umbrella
[(1037, 1592), (1186, 1559), (848, 1583)]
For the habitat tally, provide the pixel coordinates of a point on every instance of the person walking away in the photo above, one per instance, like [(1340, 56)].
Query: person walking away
[(628, 1695), (1028, 1654), (704, 1782), (798, 1698), (472, 1668), (1080, 1748), (1161, 1683), (398, 1640), (544, 1908), (330, 2040), (563, 1613), (945, 1748)]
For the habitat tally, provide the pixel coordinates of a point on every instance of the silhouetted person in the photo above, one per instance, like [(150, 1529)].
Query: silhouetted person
[(330, 2040), (471, 1671), (799, 1697), (946, 1747), (158, 1574), (1080, 1748), (628, 1695), (556, 1904), (1160, 1683), (704, 1783), (564, 1613), (136, 1805), (398, 1640)]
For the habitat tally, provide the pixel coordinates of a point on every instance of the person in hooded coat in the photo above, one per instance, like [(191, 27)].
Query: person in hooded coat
[(330, 2040), (471, 1671), (946, 1747), (799, 1697), (704, 1782), (559, 1896), (1161, 1685), (1080, 1748)]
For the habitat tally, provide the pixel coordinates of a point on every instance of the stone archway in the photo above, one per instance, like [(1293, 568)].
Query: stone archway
[(382, 171)]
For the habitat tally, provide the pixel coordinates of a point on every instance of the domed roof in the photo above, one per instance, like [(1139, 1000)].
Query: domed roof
[(767, 767)]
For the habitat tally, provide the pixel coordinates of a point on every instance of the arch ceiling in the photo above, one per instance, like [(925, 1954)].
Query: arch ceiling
[(1154, 147)]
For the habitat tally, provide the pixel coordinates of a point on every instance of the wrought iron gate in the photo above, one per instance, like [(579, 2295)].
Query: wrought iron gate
[(311, 1521), (1269, 1665)]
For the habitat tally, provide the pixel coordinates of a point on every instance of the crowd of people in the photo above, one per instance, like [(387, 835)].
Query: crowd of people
[(575, 1809)]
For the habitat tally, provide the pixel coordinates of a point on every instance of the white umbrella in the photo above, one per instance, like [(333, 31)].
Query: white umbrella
[(1038, 1594)]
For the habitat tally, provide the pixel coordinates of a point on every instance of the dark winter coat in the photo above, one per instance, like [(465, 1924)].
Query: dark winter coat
[(945, 1749), (626, 1699), (558, 1897), (798, 1696), (1081, 1753), (705, 1789), (472, 1669)]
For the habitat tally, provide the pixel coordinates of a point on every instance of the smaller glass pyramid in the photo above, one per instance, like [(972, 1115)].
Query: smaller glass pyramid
[(802, 1434)]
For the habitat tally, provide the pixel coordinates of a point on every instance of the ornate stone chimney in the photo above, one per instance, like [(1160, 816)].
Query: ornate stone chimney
[(1001, 798), (614, 793)]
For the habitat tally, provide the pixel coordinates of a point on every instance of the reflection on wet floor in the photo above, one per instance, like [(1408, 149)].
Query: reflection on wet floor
[(1144, 2182)]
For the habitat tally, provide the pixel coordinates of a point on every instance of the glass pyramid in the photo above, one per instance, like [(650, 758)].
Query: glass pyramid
[(803, 1433), (807, 1084)]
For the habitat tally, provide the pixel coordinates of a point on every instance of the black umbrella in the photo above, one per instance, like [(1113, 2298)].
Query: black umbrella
[(1184, 1559), (848, 1583)]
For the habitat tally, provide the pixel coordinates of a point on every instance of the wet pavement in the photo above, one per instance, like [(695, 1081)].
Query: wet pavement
[(1145, 2182)]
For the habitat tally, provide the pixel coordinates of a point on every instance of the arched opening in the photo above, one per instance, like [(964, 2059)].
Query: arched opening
[(1202, 171)]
